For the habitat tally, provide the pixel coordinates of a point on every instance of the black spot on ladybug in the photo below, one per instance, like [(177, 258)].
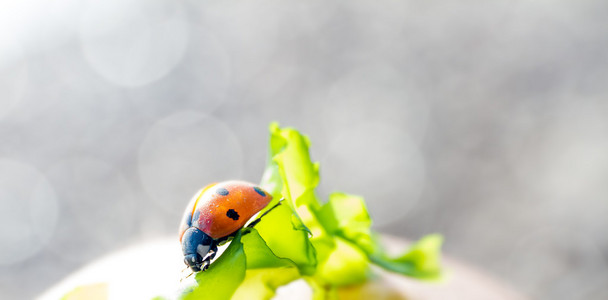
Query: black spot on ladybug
[(232, 214), (259, 191), (222, 191)]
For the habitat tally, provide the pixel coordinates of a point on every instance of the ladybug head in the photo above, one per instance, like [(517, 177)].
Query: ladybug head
[(195, 246)]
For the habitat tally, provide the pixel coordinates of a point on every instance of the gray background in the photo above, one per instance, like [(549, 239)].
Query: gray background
[(484, 121)]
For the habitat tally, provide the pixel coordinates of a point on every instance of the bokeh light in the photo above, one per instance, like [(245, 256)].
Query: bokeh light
[(134, 42), (28, 211), (96, 204), (184, 152), (13, 74), (349, 154)]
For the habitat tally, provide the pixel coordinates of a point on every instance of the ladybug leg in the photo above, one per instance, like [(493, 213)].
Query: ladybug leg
[(212, 252), (210, 255), (205, 265), (226, 239), (256, 221), (207, 261)]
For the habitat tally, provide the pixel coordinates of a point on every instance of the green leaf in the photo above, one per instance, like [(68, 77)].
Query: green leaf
[(224, 276), (321, 291), (292, 169), (345, 265), (263, 283), (346, 216), (258, 254), (287, 237), (289, 151), (422, 260), (265, 271)]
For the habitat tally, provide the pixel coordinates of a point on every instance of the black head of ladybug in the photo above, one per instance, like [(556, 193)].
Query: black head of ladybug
[(195, 246)]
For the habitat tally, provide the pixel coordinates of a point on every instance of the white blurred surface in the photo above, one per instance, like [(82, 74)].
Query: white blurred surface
[(150, 269)]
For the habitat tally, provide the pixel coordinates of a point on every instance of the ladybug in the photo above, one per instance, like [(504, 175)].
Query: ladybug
[(214, 215)]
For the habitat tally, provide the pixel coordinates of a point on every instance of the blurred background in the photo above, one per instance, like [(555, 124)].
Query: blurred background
[(484, 121)]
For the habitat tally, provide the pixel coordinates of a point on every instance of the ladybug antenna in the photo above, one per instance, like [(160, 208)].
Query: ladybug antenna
[(183, 278), (258, 219), (189, 275)]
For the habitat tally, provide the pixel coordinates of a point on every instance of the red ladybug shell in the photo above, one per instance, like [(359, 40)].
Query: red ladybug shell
[(223, 208)]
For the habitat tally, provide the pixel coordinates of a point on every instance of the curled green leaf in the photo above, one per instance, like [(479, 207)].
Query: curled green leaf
[(344, 219), (288, 238), (345, 265), (422, 260), (265, 270)]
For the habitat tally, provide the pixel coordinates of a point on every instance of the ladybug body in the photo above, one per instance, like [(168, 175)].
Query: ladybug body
[(213, 215)]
